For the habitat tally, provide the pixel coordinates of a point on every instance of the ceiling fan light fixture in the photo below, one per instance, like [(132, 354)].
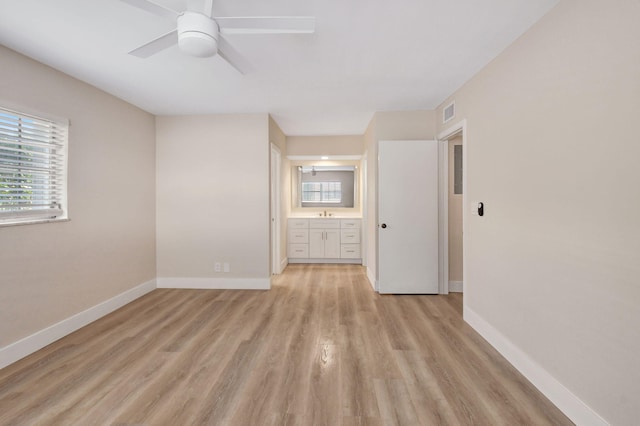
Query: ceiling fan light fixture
[(197, 34)]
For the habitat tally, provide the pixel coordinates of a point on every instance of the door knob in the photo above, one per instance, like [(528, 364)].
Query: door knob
[(384, 225)]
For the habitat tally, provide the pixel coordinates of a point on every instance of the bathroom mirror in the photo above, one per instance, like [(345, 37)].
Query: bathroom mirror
[(321, 186)]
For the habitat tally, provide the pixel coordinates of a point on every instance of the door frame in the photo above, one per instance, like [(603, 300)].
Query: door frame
[(458, 129), (276, 165), (443, 216)]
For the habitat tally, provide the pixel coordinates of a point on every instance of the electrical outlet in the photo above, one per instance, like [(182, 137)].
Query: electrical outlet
[(216, 266), (226, 267)]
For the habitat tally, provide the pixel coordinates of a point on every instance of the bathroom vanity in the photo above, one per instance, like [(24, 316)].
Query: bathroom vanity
[(324, 240)]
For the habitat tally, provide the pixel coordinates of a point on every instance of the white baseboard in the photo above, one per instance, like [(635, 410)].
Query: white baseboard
[(372, 279), (208, 283), (284, 264), (455, 287), (295, 260), (28, 345), (579, 412)]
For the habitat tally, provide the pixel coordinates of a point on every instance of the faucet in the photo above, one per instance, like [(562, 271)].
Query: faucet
[(325, 213)]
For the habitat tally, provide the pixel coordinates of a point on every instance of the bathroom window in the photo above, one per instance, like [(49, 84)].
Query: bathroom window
[(33, 168), (322, 192)]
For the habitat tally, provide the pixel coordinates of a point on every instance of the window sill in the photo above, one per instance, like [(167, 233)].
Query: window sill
[(33, 222)]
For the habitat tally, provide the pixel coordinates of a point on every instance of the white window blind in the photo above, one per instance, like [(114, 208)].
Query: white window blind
[(321, 192), (32, 167)]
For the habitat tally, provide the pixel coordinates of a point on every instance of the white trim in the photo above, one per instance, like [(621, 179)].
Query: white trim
[(357, 261), (448, 133), (276, 164), (364, 170), (35, 222), (30, 344), (208, 283), (319, 157), (372, 279), (443, 217), (574, 408), (18, 108), (284, 263), (456, 287)]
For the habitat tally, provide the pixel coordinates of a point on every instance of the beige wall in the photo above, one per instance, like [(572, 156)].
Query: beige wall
[(49, 272), (324, 145), (553, 265), (455, 219), (278, 138), (213, 195), (402, 125)]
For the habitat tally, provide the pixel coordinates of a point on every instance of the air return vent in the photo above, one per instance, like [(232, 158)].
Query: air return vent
[(449, 112)]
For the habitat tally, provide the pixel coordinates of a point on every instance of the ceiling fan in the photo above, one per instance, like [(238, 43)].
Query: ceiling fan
[(199, 33)]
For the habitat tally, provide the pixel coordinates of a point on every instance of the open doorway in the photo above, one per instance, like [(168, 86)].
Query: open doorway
[(454, 175), (455, 193)]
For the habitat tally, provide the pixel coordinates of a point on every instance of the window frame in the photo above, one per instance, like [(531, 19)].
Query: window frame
[(55, 156)]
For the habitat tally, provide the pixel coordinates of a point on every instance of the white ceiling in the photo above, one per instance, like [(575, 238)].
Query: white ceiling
[(366, 55)]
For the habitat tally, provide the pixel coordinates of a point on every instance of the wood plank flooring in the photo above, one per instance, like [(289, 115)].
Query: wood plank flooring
[(320, 348)]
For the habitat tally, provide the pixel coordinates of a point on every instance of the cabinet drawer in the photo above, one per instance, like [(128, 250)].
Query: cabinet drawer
[(350, 251), (298, 223), (324, 224), (350, 223), (350, 236), (298, 235), (299, 250)]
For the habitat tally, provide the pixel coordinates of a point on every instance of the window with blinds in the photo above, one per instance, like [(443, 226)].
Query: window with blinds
[(321, 192), (33, 168)]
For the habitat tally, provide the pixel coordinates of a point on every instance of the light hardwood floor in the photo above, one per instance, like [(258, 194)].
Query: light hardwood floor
[(320, 348)]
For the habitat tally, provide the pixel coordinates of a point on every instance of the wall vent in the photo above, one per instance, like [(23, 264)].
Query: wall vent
[(449, 112)]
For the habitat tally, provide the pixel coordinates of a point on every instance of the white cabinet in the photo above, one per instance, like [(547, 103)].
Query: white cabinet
[(324, 243), (328, 240), (324, 238), (298, 238), (350, 239), (299, 251), (350, 251)]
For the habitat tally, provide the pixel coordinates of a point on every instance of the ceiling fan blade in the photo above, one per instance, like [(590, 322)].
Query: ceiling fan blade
[(232, 56), (152, 7), (155, 46), (267, 25)]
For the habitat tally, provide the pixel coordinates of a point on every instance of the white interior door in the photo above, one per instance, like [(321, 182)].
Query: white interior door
[(408, 217)]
